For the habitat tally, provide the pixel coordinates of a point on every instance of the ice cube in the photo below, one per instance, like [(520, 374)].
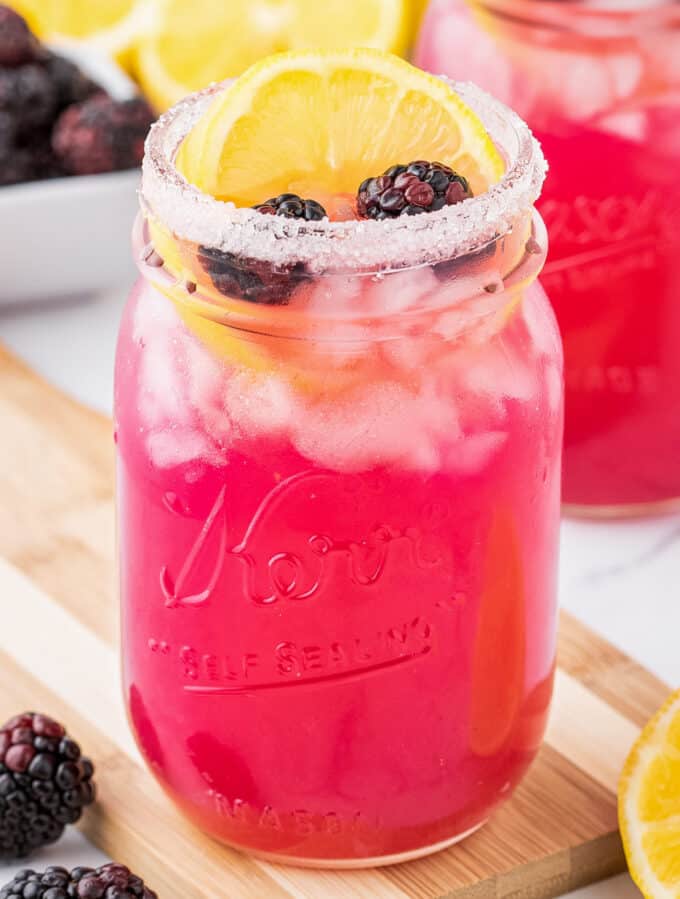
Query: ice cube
[(558, 82), (541, 323), (329, 296), (628, 125), (412, 352), (396, 292), (472, 453), (258, 402), (172, 446), (380, 424), (162, 390), (158, 330), (476, 319), (626, 71), (349, 434), (453, 43), (205, 375), (497, 370), (583, 85), (205, 378), (154, 314)]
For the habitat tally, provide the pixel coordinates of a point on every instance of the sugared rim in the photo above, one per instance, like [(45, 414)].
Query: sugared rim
[(343, 246)]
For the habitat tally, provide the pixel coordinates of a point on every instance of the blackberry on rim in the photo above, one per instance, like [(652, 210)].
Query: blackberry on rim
[(411, 189)]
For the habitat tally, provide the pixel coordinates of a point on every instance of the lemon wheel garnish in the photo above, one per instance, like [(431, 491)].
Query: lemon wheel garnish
[(318, 123), (300, 120), (195, 43), (649, 805)]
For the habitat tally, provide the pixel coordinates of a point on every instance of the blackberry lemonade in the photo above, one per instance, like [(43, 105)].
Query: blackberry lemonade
[(599, 85), (339, 423)]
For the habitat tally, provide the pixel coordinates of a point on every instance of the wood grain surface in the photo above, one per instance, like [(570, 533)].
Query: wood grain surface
[(58, 653)]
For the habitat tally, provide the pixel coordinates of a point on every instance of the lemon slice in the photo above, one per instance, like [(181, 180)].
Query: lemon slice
[(498, 677), (194, 44), (109, 25), (649, 805), (302, 119)]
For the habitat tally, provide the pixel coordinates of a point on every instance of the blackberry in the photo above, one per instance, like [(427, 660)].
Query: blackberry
[(293, 207), (24, 158), (16, 168), (102, 135), (71, 85), (111, 881), (251, 279), (41, 158), (44, 783), (256, 280), (28, 94), (8, 134), (17, 44), (411, 189), (452, 267)]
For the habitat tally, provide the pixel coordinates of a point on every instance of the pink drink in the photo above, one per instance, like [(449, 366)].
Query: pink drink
[(338, 552), (600, 88)]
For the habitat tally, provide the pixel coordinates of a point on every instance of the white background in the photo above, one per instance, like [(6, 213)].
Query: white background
[(621, 579)]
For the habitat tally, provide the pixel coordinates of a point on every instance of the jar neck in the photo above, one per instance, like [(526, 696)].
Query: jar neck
[(381, 305), (598, 19)]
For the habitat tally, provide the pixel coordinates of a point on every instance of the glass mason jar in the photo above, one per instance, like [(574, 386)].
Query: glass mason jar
[(600, 86), (338, 492)]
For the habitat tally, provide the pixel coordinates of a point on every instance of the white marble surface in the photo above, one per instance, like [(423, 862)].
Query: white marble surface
[(621, 579)]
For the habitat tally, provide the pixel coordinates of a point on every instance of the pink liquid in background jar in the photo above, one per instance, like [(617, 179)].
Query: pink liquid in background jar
[(600, 89), (338, 542)]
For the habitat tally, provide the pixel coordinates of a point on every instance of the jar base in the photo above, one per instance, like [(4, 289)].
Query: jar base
[(624, 510), (379, 861)]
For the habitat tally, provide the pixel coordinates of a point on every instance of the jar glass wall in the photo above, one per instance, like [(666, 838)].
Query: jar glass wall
[(599, 85), (338, 489)]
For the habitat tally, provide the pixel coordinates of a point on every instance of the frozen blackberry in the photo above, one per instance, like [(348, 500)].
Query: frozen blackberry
[(72, 85), (293, 207), (28, 94), (52, 883), (16, 168), (8, 135), (111, 881), (44, 783), (23, 158), (411, 189), (251, 279), (17, 44), (452, 267), (41, 158), (102, 135)]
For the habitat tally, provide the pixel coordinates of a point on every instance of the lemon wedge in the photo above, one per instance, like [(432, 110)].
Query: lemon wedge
[(649, 805), (111, 26)]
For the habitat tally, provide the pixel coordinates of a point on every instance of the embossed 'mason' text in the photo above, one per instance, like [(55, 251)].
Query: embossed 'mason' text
[(300, 821)]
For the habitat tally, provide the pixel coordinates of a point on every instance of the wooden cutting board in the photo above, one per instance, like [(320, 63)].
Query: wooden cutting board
[(58, 654)]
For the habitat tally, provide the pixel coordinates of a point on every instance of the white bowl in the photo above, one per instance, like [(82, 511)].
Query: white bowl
[(66, 237), (69, 236)]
